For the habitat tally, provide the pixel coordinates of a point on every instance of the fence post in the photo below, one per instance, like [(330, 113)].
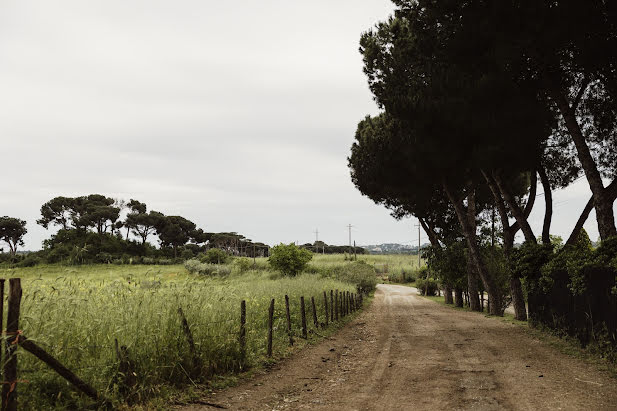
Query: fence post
[(303, 314), (336, 305), (1, 314), (291, 338), (325, 304), (332, 305), (270, 315), (189, 339), (242, 337), (314, 312), (9, 388)]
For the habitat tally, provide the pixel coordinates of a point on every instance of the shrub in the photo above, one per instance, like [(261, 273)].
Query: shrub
[(403, 276), (194, 266), (187, 254), (358, 273), (243, 264), (289, 259), (427, 286), (104, 258), (29, 261), (215, 256)]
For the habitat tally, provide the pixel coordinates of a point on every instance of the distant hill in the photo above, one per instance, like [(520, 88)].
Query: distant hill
[(393, 248)]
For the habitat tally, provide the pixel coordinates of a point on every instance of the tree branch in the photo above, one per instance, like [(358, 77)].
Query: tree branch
[(548, 205), (580, 93), (581, 221), (515, 209), (432, 236)]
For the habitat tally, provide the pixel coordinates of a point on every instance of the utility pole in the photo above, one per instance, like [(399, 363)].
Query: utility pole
[(418, 225), (349, 227), (316, 240)]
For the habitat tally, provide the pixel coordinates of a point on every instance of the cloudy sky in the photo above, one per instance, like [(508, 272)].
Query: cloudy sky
[(237, 115)]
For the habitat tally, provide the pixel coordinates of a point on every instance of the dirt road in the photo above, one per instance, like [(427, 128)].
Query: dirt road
[(406, 352)]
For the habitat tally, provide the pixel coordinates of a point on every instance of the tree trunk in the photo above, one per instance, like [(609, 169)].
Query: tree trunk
[(474, 250), (580, 222), (515, 210), (603, 202), (548, 205), (472, 286), (458, 297), (516, 291), (518, 301), (447, 293), (430, 232)]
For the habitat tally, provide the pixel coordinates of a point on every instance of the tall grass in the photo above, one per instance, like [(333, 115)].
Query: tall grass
[(385, 264), (77, 313)]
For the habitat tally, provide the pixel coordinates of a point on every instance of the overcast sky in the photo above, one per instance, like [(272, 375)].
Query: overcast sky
[(236, 115)]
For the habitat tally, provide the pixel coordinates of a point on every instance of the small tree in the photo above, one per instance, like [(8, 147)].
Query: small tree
[(215, 256), (289, 259), (12, 231)]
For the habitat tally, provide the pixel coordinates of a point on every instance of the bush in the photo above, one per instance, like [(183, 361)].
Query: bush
[(215, 256), (427, 286), (360, 274), (194, 266), (243, 264), (289, 259), (187, 254), (104, 258), (403, 276), (29, 261)]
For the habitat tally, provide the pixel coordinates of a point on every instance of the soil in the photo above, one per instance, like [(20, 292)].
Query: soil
[(407, 352)]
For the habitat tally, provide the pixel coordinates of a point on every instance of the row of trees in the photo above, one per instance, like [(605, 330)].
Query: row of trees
[(482, 101), (99, 228), (321, 247)]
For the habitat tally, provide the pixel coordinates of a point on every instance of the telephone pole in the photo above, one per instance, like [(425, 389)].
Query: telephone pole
[(316, 239), (418, 225), (349, 227)]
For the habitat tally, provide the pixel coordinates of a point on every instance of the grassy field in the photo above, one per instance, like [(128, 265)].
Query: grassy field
[(77, 313), (384, 264)]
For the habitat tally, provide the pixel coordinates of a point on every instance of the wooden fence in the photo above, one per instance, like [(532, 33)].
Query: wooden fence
[(339, 305)]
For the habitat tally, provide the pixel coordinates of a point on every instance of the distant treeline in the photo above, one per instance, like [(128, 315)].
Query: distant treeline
[(322, 248), (100, 229)]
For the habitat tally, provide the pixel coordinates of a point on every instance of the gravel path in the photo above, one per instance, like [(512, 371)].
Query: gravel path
[(407, 352)]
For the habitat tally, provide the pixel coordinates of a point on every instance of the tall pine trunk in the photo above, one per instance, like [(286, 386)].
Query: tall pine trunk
[(447, 293), (469, 231), (458, 297), (602, 199), (472, 286)]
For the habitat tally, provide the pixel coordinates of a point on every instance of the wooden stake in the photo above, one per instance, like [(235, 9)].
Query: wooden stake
[(1, 314), (242, 337), (314, 313), (9, 388), (336, 305), (270, 317), (303, 315), (332, 305), (189, 339), (291, 338), (325, 304), (55, 365)]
